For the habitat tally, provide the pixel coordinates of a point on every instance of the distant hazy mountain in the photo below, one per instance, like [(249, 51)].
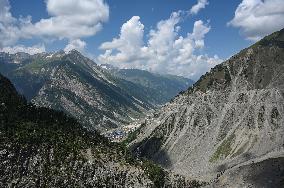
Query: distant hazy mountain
[(76, 85), (228, 129), (162, 87)]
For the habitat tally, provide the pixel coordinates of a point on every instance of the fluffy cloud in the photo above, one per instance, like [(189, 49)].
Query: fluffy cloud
[(128, 43), (20, 48), (9, 32), (5, 15), (69, 19), (197, 7), (257, 18), (165, 51), (199, 32), (75, 45)]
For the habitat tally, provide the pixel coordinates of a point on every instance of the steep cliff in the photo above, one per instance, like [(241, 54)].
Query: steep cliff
[(229, 121)]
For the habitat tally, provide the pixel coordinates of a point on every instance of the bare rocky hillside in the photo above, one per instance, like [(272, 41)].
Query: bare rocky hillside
[(228, 129)]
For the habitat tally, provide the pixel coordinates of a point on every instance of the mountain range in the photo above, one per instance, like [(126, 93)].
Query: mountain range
[(41, 147), (161, 88), (228, 128), (76, 85)]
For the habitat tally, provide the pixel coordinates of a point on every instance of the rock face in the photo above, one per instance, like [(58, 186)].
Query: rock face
[(40, 147), (76, 85), (230, 122)]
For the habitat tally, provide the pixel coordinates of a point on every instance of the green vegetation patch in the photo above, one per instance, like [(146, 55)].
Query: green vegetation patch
[(224, 149), (219, 74), (35, 66), (275, 118), (241, 150), (276, 38), (155, 173), (132, 136)]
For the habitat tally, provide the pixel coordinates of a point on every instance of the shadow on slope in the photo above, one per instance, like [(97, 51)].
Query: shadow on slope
[(266, 174), (151, 149)]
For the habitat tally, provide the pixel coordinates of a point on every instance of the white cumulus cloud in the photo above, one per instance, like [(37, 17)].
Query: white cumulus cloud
[(128, 44), (27, 49), (199, 32), (197, 7), (75, 45), (69, 19), (165, 51), (9, 32), (257, 18)]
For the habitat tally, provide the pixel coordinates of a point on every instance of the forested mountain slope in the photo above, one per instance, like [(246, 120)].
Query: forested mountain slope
[(44, 148)]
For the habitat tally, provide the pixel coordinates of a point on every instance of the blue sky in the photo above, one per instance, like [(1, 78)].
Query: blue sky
[(227, 26), (220, 37)]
